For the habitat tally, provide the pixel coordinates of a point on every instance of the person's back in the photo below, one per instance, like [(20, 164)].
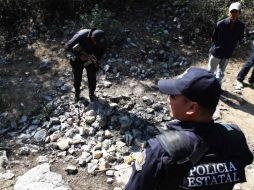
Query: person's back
[(222, 161), (194, 153)]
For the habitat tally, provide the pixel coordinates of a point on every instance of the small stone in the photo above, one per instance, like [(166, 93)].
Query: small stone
[(149, 110), (82, 161), (91, 131), (63, 144), (42, 159), (55, 136), (110, 180), (97, 154), (97, 147), (90, 113), (91, 168), (103, 165), (117, 188), (62, 154), (108, 134), (89, 158), (147, 100), (47, 140), (3, 159), (70, 121), (237, 187), (7, 176), (24, 151), (71, 170), (110, 173), (40, 135), (90, 119)]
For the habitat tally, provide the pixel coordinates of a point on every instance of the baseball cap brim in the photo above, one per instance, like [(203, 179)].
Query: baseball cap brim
[(197, 84), (169, 87)]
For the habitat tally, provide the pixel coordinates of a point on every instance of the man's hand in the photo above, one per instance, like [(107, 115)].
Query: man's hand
[(92, 58)]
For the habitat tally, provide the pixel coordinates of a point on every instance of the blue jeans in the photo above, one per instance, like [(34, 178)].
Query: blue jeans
[(217, 66), (246, 68)]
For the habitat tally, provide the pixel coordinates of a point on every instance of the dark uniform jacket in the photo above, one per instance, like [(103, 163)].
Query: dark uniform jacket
[(219, 168), (225, 38), (82, 38)]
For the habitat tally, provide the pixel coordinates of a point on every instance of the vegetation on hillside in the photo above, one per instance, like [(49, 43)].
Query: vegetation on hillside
[(31, 13)]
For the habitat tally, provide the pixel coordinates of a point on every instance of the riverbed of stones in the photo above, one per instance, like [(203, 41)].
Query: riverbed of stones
[(99, 136)]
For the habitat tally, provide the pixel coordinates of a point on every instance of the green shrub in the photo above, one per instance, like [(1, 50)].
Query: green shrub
[(195, 13), (102, 18)]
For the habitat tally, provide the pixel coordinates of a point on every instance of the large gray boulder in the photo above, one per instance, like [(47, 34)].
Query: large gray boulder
[(41, 178)]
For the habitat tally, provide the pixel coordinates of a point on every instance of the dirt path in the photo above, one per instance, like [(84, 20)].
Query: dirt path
[(237, 107)]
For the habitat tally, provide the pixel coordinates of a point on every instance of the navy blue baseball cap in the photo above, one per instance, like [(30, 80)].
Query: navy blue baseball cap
[(197, 84), (99, 36)]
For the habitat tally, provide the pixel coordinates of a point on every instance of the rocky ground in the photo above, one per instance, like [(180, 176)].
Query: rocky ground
[(89, 145)]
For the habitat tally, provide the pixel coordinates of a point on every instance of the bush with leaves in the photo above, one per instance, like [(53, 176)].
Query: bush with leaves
[(102, 18), (199, 17), (196, 13)]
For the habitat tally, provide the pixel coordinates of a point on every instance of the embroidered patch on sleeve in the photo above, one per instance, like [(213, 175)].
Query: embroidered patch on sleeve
[(140, 160), (228, 127)]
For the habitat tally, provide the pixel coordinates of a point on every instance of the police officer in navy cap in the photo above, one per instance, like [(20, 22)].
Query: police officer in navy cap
[(85, 49), (194, 152)]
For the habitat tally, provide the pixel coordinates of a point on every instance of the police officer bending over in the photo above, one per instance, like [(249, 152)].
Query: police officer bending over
[(194, 152), (85, 49)]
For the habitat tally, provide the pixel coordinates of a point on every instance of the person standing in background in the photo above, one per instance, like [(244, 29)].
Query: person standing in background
[(244, 71), (226, 35)]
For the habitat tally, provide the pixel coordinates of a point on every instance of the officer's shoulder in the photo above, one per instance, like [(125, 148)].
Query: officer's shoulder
[(222, 21), (231, 131), (83, 31), (229, 127), (154, 145)]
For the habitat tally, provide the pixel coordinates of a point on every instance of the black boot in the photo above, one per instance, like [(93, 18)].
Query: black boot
[(77, 96), (93, 98)]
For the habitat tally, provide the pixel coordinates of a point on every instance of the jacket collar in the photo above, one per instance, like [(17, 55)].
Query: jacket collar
[(189, 126), (227, 20)]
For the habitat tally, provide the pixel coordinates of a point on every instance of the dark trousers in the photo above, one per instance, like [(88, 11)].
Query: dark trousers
[(77, 69), (246, 68)]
